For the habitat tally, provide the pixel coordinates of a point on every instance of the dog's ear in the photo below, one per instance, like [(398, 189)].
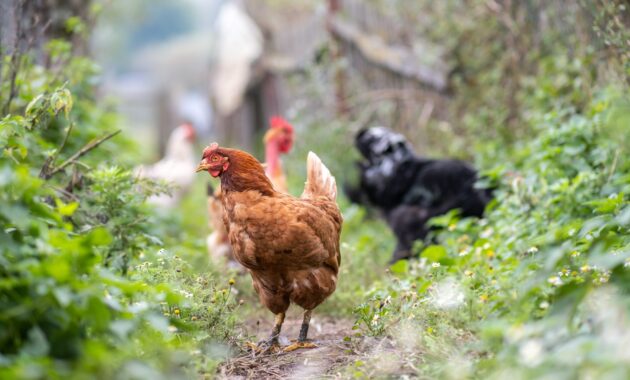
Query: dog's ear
[(360, 134)]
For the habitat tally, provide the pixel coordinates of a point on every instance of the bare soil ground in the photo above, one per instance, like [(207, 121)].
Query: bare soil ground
[(314, 363)]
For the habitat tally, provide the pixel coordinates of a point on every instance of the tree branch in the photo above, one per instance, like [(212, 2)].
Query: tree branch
[(80, 153), (44, 172)]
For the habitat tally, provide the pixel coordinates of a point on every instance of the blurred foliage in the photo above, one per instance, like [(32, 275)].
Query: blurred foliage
[(501, 55), (95, 283), (86, 288), (539, 287), (555, 242)]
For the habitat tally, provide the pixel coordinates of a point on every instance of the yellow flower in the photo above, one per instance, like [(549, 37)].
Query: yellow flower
[(585, 268), (468, 273), (177, 312), (483, 298), (232, 281)]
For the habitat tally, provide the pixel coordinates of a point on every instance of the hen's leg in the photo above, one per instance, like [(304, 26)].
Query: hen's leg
[(275, 332), (305, 323), (302, 342)]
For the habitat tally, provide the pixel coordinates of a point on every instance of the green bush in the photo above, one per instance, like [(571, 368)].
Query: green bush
[(524, 279), (79, 295)]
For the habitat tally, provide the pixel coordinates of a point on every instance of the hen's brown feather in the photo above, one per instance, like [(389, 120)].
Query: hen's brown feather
[(290, 245)]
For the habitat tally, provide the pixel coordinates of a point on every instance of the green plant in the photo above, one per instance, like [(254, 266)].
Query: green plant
[(74, 231), (524, 280)]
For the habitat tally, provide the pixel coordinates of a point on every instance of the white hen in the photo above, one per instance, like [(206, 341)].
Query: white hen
[(177, 167)]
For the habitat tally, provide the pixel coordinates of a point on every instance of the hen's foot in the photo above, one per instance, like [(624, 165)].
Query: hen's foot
[(269, 346), (299, 344)]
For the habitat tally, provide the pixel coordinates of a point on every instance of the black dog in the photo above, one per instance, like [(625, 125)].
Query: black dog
[(408, 189)]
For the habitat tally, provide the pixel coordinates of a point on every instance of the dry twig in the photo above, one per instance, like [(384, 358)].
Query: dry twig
[(80, 153)]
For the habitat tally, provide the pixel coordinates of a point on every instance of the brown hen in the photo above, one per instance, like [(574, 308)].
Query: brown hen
[(289, 245), (278, 141)]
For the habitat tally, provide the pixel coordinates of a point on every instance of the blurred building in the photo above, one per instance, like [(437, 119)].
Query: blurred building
[(257, 47), (232, 70), (390, 61)]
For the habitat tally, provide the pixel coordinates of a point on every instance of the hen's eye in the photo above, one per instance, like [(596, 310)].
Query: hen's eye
[(214, 158)]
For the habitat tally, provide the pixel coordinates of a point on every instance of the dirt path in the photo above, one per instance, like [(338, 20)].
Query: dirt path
[(327, 332)]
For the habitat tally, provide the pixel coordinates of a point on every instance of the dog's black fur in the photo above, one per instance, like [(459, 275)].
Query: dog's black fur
[(409, 189)]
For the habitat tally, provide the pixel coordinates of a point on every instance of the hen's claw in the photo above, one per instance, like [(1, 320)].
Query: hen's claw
[(298, 345), (263, 347)]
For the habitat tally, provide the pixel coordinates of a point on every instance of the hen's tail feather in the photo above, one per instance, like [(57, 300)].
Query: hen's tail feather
[(319, 181)]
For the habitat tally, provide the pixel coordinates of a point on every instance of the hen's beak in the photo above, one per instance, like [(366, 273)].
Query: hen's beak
[(203, 166), (271, 134)]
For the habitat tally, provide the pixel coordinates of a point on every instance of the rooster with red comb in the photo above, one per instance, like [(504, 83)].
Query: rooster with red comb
[(278, 140)]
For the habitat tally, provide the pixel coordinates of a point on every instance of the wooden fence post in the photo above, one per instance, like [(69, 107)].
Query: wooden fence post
[(341, 104)]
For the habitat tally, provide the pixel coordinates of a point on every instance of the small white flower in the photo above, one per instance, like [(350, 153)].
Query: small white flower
[(531, 353), (532, 250), (555, 281), (447, 294), (186, 294), (486, 233), (544, 305), (435, 265)]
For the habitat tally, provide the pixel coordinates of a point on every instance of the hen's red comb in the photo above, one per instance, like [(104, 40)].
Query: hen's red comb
[(279, 122), (210, 148)]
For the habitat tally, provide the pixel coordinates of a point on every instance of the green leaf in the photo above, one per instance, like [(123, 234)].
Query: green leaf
[(122, 328), (63, 295), (434, 253), (609, 260), (59, 269), (66, 209), (400, 267), (36, 102), (624, 216), (99, 237), (37, 344)]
